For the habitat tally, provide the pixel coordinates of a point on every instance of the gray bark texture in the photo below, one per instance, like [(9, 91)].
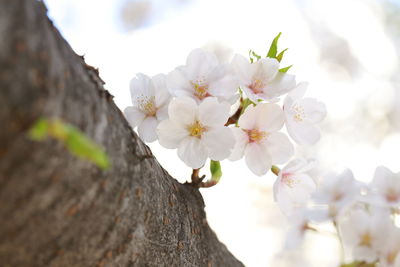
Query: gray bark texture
[(58, 210)]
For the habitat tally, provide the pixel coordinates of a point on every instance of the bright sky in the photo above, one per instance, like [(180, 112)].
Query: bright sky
[(240, 209)]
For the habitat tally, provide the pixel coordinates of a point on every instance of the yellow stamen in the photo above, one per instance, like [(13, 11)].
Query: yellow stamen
[(200, 90), (256, 86), (256, 135), (366, 240), (196, 129), (299, 113), (392, 195), (288, 180), (391, 257), (147, 105)]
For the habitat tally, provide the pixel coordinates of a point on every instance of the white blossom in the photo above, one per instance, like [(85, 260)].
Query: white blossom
[(299, 224), (337, 192), (197, 131), (262, 80), (385, 187), (258, 139), (293, 186), (150, 99), (203, 76), (364, 233), (389, 248), (302, 114)]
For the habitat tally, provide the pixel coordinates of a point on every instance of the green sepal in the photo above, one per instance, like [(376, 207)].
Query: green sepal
[(285, 69), (273, 49), (216, 171), (253, 55), (246, 102), (280, 55)]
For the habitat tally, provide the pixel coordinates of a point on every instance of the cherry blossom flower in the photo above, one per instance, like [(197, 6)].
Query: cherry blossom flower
[(302, 114), (258, 139), (389, 248), (262, 80), (337, 192), (299, 224), (364, 232), (150, 99), (203, 76), (197, 131), (385, 187), (301, 220), (293, 186)]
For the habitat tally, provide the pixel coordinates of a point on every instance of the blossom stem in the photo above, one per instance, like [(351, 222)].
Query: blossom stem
[(275, 170), (340, 240), (197, 181)]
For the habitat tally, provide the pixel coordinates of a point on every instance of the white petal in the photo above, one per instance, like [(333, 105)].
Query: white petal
[(265, 69), (170, 134), (224, 88), (282, 199), (242, 68), (287, 104), (213, 113), (270, 117), (299, 91), (192, 152), (383, 178), (315, 111), (183, 111), (386, 183), (303, 133), (363, 253), (257, 159), (141, 85), (279, 147), (178, 84), (162, 96), (281, 84), (219, 142), (134, 116), (200, 63), (251, 95), (299, 165), (147, 129), (301, 189), (162, 113), (248, 119), (241, 141)]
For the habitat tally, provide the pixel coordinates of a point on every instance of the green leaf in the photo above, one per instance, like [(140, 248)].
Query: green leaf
[(39, 130), (76, 141), (216, 172), (285, 69), (273, 49), (280, 55)]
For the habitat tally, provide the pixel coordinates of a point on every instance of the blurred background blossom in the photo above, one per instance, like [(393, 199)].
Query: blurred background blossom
[(348, 50)]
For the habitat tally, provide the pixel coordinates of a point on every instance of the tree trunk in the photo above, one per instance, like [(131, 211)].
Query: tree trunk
[(58, 210)]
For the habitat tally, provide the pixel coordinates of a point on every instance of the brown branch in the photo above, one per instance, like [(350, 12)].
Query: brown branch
[(57, 210)]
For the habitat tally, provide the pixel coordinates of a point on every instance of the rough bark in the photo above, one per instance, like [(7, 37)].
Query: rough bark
[(57, 210)]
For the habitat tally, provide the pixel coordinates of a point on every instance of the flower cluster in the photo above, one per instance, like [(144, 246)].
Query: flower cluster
[(207, 109), (363, 214)]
